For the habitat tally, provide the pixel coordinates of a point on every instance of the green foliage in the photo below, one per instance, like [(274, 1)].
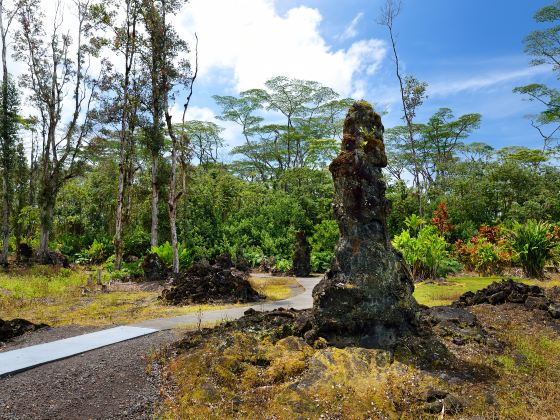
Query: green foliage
[(486, 253), (136, 243), (321, 261), (426, 254), (283, 265), (534, 243), (97, 252), (325, 237), (165, 252), (128, 269)]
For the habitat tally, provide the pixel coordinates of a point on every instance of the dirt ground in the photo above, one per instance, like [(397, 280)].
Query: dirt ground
[(107, 383)]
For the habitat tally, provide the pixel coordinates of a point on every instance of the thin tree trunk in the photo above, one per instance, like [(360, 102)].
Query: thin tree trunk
[(155, 202), (124, 137), (46, 212), (6, 146)]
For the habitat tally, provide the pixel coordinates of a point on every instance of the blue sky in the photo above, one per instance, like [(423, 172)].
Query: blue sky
[(469, 52)]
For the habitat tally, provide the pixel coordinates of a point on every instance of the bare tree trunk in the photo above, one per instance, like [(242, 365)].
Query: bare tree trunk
[(124, 135), (46, 213), (389, 13), (6, 146), (172, 202), (155, 202)]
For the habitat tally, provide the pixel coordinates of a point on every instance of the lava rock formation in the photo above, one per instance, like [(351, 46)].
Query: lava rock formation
[(366, 297)]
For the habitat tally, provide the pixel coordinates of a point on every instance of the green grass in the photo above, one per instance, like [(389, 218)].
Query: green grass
[(277, 288), (53, 296), (436, 294)]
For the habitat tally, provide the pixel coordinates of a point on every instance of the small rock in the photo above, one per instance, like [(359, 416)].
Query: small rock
[(554, 310), (536, 302)]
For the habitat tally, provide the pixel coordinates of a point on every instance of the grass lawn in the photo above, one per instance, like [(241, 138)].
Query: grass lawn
[(277, 288), (444, 293), (53, 296)]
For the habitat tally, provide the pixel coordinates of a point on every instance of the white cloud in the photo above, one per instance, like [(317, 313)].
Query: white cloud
[(450, 87), (252, 40), (351, 30)]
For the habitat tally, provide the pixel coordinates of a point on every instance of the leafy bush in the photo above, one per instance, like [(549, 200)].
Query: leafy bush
[(283, 265), (128, 269), (136, 243), (486, 253), (96, 253), (165, 252), (325, 237), (426, 254), (254, 256), (414, 223), (321, 261), (534, 243)]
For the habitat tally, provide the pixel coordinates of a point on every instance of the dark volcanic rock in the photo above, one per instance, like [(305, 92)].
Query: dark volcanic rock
[(366, 296), (205, 283), (301, 263), (16, 327), (154, 268), (505, 291), (51, 258), (24, 251), (457, 324)]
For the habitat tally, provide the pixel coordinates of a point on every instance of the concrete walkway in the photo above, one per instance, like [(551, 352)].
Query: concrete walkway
[(15, 361)]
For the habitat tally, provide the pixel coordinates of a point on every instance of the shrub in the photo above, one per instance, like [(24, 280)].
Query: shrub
[(440, 219), (486, 253), (321, 261), (165, 252), (325, 237), (426, 254), (283, 265), (414, 223), (534, 243), (96, 253), (128, 269), (136, 243), (254, 256)]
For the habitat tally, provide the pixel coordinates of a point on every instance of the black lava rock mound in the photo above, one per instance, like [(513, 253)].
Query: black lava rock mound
[(205, 283), (509, 291), (16, 327)]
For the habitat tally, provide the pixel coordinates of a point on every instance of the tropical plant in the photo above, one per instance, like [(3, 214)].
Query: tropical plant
[(165, 252), (488, 252), (534, 243), (426, 254)]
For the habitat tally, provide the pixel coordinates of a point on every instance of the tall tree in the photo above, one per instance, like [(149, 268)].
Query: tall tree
[(8, 127), (168, 71), (51, 75), (544, 46), (124, 103), (413, 91)]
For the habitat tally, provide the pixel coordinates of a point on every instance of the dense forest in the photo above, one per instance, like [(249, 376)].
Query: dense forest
[(105, 170)]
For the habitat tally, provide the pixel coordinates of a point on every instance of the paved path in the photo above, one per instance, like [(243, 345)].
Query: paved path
[(15, 361)]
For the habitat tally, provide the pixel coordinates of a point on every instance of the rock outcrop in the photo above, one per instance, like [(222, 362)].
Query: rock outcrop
[(366, 296), (205, 283), (509, 291), (154, 268), (301, 262), (16, 327)]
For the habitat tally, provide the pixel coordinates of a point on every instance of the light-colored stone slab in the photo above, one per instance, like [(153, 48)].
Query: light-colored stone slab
[(22, 359)]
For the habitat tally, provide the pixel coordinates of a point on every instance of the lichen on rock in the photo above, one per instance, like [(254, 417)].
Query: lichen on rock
[(366, 296)]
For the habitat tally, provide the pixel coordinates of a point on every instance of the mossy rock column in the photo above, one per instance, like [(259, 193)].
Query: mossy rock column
[(366, 297)]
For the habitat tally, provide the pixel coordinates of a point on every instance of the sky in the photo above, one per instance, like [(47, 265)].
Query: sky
[(469, 52)]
